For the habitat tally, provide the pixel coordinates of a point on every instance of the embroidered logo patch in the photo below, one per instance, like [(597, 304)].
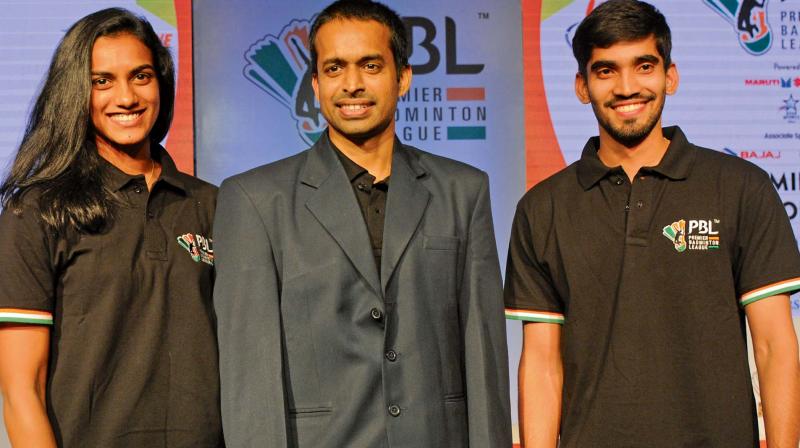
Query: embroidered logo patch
[(199, 247), (699, 234)]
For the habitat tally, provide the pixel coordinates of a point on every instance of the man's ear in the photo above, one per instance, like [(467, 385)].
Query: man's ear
[(581, 88), (405, 80), (673, 79), (315, 85)]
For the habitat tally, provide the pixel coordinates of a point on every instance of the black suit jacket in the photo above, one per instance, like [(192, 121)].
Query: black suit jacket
[(306, 325)]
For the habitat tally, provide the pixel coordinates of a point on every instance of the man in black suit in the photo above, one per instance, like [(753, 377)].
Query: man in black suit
[(358, 291)]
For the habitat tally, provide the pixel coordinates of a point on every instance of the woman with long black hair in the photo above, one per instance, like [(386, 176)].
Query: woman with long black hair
[(106, 326)]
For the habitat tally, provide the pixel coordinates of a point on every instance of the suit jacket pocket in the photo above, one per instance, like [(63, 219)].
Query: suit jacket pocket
[(317, 411), (308, 426), (455, 410), (440, 242)]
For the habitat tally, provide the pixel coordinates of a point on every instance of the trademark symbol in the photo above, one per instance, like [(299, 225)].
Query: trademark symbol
[(716, 221), (483, 15)]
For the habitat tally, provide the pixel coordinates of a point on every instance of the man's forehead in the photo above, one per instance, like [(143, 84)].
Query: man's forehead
[(625, 51), (345, 24), (353, 40)]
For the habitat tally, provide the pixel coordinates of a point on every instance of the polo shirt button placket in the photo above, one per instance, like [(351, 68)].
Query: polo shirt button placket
[(376, 314), (394, 410), (391, 355)]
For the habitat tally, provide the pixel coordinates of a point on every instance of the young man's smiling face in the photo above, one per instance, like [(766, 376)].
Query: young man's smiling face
[(356, 82), (626, 84)]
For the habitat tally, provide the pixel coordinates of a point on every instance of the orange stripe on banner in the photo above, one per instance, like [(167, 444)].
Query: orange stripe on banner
[(542, 154), (466, 94), (180, 142)]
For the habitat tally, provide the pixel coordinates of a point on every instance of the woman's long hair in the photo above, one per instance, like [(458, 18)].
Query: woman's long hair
[(54, 155)]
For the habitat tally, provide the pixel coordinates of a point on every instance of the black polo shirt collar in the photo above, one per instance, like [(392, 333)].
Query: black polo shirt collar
[(676, 163), (117, 179), (352, 169)]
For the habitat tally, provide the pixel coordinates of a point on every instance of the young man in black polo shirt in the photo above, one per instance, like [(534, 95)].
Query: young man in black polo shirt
[(634, 269)]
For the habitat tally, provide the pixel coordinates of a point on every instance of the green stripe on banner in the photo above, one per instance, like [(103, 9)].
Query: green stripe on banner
[(466, 132)]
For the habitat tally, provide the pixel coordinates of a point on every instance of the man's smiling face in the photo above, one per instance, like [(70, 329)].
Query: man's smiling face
[(626, 84), (357, 81)]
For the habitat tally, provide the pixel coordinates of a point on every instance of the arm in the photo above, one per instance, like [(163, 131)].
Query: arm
[(246, 301), (484, 331), (776, 353), (540, 385), (23, 371)]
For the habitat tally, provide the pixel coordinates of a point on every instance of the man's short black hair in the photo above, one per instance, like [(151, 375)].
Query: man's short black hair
[(621, 21), (364, 10)]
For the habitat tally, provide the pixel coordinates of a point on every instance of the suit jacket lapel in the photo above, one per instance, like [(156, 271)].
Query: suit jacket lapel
[(405, 206), (335, 207)]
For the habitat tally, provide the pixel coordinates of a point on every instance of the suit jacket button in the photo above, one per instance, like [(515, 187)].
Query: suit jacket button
[(391, 355), (376, 314), (394, 410)]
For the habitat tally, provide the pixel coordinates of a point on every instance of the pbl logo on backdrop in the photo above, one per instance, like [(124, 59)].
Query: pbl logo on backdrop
[(749, 20), (280, 66)]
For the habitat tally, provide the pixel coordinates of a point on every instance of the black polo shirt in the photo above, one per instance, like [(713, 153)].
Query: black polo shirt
[(133, 358), (371, 197), (649, 280)]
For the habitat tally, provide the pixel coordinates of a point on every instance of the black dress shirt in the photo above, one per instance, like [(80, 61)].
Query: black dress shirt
[(371, 198)]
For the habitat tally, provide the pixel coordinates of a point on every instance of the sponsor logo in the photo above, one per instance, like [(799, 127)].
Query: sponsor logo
[(749, 21), (280, 66), (789, 110), (762, 154), (786, 83), (198, 246), (693, 234)]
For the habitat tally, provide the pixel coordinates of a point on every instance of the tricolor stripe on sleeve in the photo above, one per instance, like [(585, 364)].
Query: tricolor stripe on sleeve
[(783, 287), (535, 316), (17, 315)]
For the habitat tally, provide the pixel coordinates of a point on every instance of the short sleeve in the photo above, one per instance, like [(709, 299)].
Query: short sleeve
[(529, 292), (767, 261), (26, 275)]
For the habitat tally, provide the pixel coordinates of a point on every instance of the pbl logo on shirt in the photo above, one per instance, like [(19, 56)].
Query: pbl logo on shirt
[(198, 246), (700, 234), (749, 20)]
